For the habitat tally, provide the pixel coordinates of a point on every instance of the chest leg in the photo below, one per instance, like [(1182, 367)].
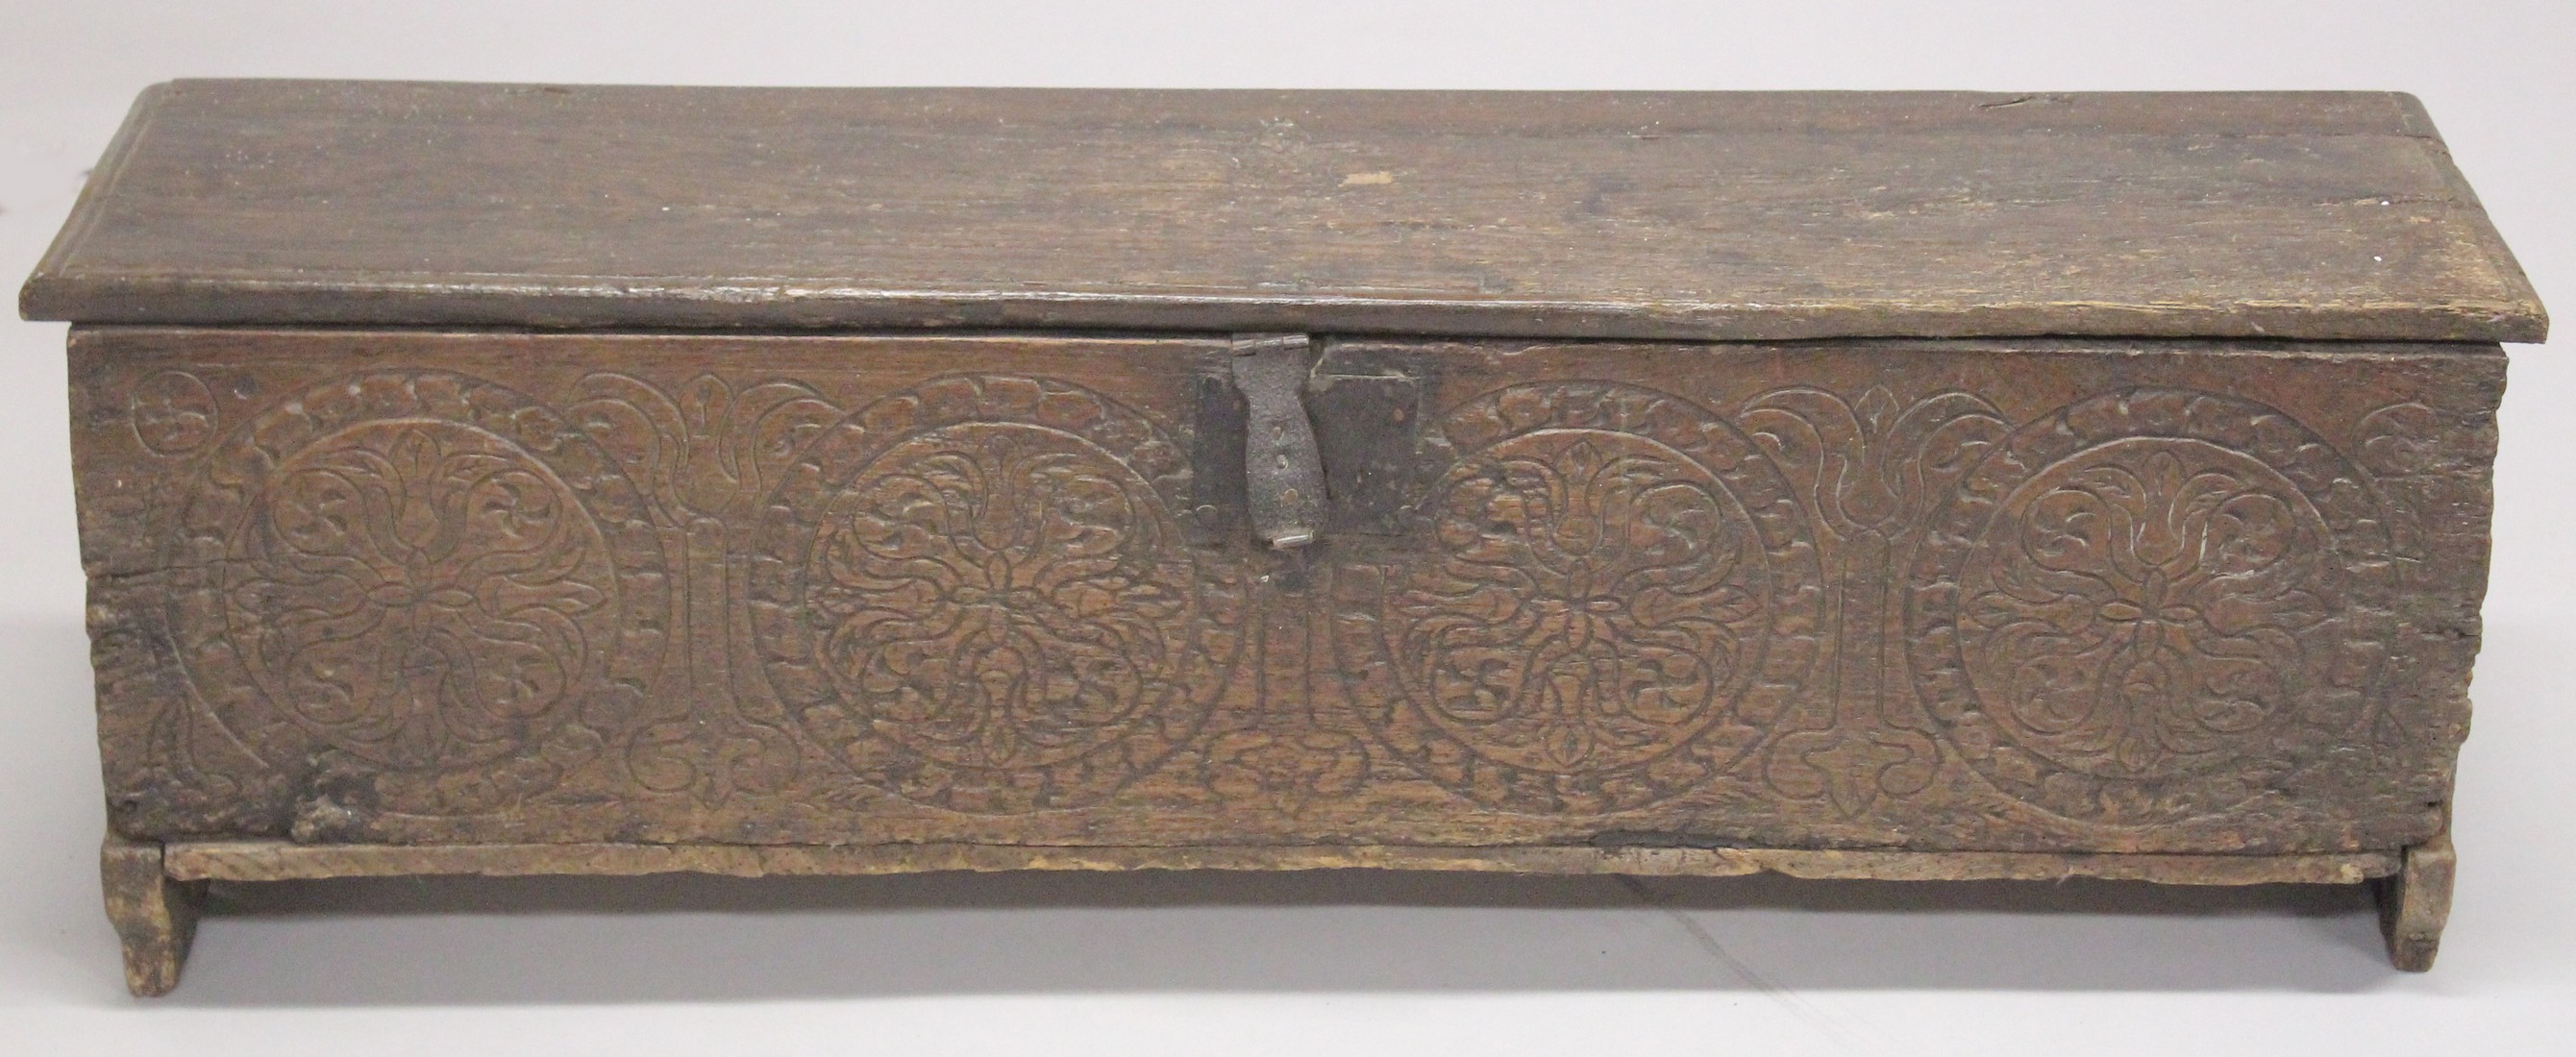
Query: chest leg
[(2415, 903), (155, 917)]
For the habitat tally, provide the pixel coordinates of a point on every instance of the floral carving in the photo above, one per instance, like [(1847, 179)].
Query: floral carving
[(410, 605), (2149, 604), (2145, 613), (994, 612), (1592, 599), (1597, 603), (996, 592), (417, 592), (410, 569)]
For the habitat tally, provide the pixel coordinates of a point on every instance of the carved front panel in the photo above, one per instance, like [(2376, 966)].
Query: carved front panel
[(417, 576), (1612, 596), (2031, 595), (983, 600), (2151, 606)]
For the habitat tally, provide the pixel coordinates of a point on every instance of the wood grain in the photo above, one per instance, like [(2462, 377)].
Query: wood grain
[(281, 861), (2051, 595), (524, 479), (2415, 903), (1627, 215), (153, 910)]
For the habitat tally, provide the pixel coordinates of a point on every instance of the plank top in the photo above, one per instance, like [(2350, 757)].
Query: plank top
[(1756, 216)]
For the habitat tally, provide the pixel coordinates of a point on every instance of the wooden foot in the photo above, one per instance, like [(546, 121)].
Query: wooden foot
[(2415, 903), (155, 917)]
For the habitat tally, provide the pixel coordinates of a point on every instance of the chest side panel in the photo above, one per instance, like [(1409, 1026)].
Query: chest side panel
[(413, 587)]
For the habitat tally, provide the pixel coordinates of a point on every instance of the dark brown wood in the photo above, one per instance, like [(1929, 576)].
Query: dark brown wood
[(2045, 596), (600, 539), (1630, 215)]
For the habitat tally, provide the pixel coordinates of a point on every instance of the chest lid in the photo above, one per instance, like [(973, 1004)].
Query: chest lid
[(1688, 215)]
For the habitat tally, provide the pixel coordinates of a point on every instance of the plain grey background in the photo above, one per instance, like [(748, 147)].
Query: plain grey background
[(1344, 963)]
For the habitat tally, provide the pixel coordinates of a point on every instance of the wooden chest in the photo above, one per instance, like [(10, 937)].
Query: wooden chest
[(514, 479)]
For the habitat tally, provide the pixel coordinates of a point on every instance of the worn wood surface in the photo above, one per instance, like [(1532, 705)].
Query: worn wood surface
[(2415, 903), (153, 910), (283, 861), (2036, 596), (1636, 215)]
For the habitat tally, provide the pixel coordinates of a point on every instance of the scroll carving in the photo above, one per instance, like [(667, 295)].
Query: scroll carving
[(422, 576), (983, 602), (1612, 603), (708, 454), (1287, 771), (418, 592), (2150, 605), (653, 604), (2428, 465), (1867, 471), (1298, 751)]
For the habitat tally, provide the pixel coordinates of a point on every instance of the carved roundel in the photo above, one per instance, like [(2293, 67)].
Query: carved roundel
[(1616, 594), (2151, 606), (430, 574), (174, 413), (978, 598)]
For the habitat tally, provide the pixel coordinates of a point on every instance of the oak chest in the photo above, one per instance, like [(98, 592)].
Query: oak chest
[(537, 479)]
